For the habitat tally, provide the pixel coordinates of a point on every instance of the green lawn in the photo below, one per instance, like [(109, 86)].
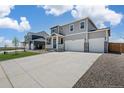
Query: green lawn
[(17, 55)]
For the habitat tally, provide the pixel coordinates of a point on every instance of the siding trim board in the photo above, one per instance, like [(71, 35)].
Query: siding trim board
[(84, 33)]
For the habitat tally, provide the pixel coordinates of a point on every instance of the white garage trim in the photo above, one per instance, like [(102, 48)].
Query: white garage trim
[(96, 45), (74, 45)]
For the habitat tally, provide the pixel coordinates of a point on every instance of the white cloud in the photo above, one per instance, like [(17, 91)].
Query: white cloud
[(4, 41), (99, 14), (57, 10), (24, 25), (7, 22), (1, 40), (5, 10), (8, 42)]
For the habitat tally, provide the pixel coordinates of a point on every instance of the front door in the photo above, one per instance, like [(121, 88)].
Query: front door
[(54, 43)]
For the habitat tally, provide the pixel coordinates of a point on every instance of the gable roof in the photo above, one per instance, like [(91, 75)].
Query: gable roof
[(91, 22), (42, 33), (56, 34)]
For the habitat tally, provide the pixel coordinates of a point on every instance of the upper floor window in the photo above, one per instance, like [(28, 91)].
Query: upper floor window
[(71, 27), (82, 25), (54, 30)]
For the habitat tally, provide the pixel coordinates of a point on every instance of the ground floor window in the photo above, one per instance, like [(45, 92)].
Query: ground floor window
[(49, 41), (61, 40)]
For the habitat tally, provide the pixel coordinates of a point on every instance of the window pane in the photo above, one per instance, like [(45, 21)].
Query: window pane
[(61, 40), (82, 25), (71, 28)]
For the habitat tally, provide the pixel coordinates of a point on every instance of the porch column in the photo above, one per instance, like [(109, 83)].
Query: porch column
[(51, 42), (86, 42), (57, 42), (32, 45), (45, 44)]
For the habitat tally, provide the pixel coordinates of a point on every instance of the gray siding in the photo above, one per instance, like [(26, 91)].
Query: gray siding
[(98, 34), (60, 30), (91, 26), (76, 29), (74, 37)]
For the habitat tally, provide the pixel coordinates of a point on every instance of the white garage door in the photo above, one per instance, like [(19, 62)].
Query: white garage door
[(74, 45), (96, 45)]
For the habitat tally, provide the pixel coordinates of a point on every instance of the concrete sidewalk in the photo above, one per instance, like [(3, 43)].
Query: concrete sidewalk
[(55, 69)]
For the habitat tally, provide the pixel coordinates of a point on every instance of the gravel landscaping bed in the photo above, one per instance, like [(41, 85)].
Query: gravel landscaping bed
[(106, 72)]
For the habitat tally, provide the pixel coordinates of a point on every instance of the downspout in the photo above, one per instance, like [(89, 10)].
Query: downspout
[(86, 39), (106, 43)]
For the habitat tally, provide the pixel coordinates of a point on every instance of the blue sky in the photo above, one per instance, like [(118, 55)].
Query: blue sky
[(41, 19)]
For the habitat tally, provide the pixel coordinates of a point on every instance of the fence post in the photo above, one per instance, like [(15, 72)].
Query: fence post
[(120, 48)]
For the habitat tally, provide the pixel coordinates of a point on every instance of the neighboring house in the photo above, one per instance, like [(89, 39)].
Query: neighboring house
[(81, 35), (36, 40)]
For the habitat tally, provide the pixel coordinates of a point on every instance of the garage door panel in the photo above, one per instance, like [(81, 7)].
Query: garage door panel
[(74, 45), (96, 45)]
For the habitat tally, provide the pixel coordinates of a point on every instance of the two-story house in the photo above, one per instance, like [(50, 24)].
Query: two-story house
[(80, 35)]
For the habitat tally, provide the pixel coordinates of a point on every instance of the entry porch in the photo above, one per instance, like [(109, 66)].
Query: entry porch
[(55, 42)]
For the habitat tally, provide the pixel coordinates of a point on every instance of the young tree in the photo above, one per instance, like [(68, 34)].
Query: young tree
[(15, 42), (5, 47), (24, 44)]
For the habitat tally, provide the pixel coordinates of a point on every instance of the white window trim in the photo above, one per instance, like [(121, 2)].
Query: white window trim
[(70, 27), (80, 26)]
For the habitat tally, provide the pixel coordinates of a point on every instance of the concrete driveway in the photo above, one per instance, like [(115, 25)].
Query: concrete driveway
[(55, 69)]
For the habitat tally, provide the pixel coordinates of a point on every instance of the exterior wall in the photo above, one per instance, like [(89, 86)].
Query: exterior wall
[(60, 30), (91, 26), (76, 29), (98, 34), (86, 46), (76, 36)]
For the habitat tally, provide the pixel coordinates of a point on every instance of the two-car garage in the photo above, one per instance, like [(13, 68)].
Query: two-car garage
[(95, 45)]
